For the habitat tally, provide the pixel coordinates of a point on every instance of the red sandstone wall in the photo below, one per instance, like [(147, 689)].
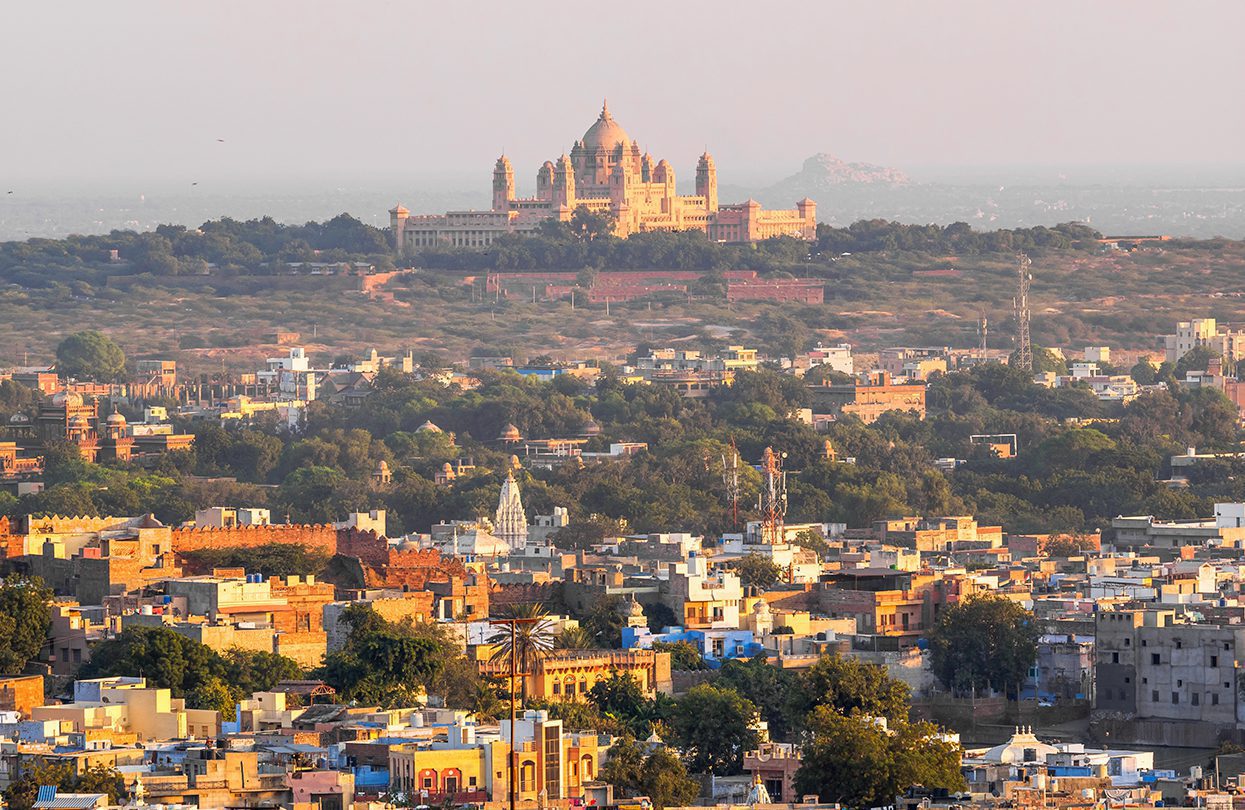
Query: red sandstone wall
[(320, 537)]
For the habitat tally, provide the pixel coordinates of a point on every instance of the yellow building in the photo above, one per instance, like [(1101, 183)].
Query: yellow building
[(126, 706), (606, 173), (570, 674), (474, 766)]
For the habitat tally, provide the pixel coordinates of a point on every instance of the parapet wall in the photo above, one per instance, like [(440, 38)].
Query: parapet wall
[(316, 536)]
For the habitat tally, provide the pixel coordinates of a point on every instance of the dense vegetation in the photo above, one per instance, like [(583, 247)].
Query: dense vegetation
[(886, 283), (1070, 475)]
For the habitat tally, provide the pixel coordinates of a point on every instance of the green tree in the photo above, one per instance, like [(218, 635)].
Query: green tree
[(530, 641), (168, 660), (757, 572), (98, 778), (854, 761), (1196, 359), (90, 355), (215, 694), (586, 224), (250, 671), (25, 617), (575, 638), (1143, 373), (665, 781), (768, 687), (714, 727), (661, 776), (984, 642), (620, 697), (849, 686)]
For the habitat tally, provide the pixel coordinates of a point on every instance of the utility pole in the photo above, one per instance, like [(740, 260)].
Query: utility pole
[(1024, 348), (513, 624)]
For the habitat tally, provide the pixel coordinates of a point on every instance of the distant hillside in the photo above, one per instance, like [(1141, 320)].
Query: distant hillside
[(824, 172), (825, 177)]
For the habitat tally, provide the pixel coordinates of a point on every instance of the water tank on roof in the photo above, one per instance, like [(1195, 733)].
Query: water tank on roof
[(146, 610), (168, 599)]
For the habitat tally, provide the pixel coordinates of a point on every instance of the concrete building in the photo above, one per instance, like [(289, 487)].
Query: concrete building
[(127, 705), (1221, 339), (1179, 677)]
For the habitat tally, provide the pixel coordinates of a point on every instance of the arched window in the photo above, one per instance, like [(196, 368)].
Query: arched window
[(585, 767)]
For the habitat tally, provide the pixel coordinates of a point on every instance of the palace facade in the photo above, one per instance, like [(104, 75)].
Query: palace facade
[(605, 173)]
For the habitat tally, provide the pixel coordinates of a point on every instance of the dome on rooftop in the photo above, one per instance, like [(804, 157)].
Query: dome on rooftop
[(67, 399), (428, 427), (605, 134), (510, 433)]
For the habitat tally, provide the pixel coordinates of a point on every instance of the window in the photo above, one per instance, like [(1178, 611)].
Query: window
[(1194, 698), (1127, 679), (1175, 698), (1214, 698), (1154, 659), (1128, 642), (557, 688), (1115, 658), (1179, 682), (1143, 642), (1177, 644), (1214, 660), (1225, 646), (1154, 695)]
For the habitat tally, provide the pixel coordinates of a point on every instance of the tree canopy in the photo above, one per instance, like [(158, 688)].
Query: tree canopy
[(90, 355), (985, 642)]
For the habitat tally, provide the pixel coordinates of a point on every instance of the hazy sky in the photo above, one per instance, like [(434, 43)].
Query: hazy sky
[(126, 93)]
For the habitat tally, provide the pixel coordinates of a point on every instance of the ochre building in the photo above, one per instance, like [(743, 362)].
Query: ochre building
[(605, 173)]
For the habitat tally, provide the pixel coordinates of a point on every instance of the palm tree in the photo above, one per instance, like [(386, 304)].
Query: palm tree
[(531, 636), (576, 638)]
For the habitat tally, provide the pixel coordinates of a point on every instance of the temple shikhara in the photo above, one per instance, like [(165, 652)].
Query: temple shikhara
[(606, 172)]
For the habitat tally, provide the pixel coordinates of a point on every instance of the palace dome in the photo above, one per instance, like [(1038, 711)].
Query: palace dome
[(66, 399), (510, 433), (605, 134), (116, 418)]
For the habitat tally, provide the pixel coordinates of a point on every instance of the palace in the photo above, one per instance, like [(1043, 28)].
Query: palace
[(605, 173)]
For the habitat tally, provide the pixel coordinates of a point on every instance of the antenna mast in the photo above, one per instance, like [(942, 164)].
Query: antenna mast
[(730, 479), (773, 497), (1024, 348), (983, 329)]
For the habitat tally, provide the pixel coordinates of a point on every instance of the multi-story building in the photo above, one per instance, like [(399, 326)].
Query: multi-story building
[(570, 674), (1166, 538), (127, 705), (605, 173), (702, 599), (871, 398), (1151, 667), (471, 765), (938, 534), (884, 602), (915, 363), (1222, 339)]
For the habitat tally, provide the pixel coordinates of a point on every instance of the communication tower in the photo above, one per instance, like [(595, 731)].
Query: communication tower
[(773, 496), (1024, 348)]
